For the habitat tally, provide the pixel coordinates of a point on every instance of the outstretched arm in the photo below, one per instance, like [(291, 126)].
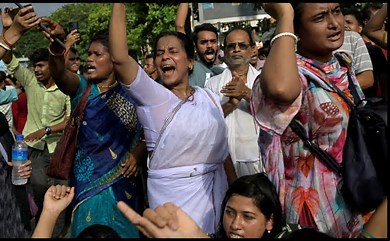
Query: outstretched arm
[(57, 199), (67, 81), (166, 221), (126, 68), (181, 17), (71, 39), (374, 27)]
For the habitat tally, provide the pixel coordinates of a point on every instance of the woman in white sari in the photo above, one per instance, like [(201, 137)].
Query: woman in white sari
[(184, 127)]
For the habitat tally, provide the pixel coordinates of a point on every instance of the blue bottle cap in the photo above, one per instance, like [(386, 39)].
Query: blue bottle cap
[(19, 137)]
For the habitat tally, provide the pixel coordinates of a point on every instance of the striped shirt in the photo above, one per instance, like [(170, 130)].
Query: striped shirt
[(355, 46)]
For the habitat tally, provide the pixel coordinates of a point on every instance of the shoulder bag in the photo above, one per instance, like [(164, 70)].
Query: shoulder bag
[(61, 161), (365, 150)]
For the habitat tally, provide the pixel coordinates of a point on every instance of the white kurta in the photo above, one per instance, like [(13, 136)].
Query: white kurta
[(242, 129)]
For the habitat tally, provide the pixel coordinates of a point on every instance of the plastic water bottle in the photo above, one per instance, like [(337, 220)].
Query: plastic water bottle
[(19, 157)]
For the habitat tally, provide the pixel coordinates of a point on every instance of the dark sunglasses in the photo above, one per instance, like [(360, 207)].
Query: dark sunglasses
[(242, 46)]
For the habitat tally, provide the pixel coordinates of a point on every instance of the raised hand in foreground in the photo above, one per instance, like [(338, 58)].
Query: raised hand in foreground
[(57, 199), (25, 19), (166, 221)]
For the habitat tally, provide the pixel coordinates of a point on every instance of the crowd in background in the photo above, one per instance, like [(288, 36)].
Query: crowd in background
[(197, 136)]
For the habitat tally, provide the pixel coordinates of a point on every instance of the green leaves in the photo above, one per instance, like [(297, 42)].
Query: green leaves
[(145, 21)]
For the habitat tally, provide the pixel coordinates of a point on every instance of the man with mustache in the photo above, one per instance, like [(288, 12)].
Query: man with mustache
[(205, 37), (234, 87)]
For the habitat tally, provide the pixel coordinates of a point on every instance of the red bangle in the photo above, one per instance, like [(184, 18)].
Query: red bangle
[(6, 42), (53, 53)]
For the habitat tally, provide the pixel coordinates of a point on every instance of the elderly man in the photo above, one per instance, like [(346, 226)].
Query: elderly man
[(234, 89)]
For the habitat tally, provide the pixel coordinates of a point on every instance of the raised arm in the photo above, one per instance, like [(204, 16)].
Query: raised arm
[(13, 30), (181, 17), (126, 68), (282, 86), (67, 81), (71, 39), (374, 27)]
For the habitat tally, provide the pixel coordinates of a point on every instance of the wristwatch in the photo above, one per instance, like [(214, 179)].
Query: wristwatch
[(48, 130)]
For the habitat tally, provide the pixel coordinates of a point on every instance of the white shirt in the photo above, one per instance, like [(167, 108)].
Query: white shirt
[(242, 129)]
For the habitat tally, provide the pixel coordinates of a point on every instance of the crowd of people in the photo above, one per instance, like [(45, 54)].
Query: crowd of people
[(184, 146)]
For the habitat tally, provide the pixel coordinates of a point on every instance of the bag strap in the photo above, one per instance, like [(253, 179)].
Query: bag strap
[(211, 98), (322, 155), (81, 105), (351, 85), (342, 95), (166, 122), (84, 97)]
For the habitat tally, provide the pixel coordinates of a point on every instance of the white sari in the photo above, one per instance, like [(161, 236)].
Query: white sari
[(187, 167)]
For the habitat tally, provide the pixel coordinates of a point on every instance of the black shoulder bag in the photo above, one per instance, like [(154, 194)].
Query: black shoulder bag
[(365, 161)]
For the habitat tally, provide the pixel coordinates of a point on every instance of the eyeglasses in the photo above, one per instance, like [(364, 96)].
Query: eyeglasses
[(242, 46)]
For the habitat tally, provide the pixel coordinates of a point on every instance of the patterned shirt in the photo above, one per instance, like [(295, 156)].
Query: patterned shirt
[(302, 181), (355, 46)]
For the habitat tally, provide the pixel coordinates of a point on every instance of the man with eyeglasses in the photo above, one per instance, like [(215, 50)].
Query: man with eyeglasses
[(234, 89), (205, 37)]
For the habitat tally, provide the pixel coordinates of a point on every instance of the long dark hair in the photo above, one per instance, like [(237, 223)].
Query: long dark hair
[(101, 36), (262, 191), (298, 9), (98, 231), (185, 41)]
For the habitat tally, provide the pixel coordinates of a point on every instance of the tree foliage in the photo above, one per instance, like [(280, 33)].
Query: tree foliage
[(144, 22)]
